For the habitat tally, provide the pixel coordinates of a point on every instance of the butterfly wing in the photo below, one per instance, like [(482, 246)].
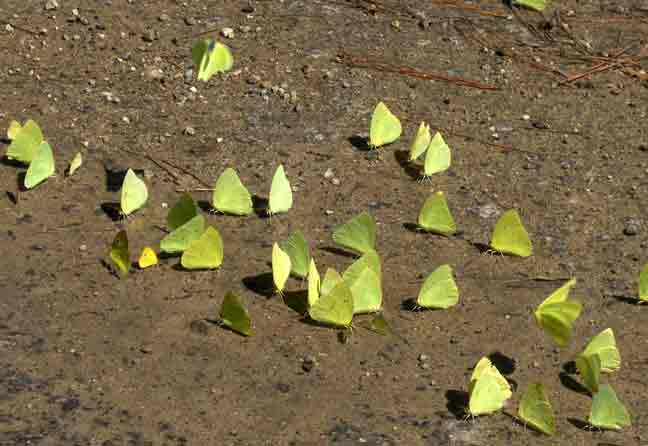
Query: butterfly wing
[(119, 253), (41, 167), (313, 284), (435, 216), (358, 234), (488, 395), (26, 143), (438, 157), (510, 236), (607, 411), (364, 280), (204, 253), (147, 258), (604, 345), (133, 194), (230, 195), (439, 289), (536, 411), (589, 368), (297, 249), (421, 142), (334, 308), (180, 239), (184, 210), (234, 315), (281, 198), (281, 267), (385, 127), (558, 320)]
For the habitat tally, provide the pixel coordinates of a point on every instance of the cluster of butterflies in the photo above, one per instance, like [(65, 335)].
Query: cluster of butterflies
[(30, 148), (334, 299), (488, 390)]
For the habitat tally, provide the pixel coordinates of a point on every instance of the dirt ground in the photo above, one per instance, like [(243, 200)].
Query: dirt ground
[(88, 359)]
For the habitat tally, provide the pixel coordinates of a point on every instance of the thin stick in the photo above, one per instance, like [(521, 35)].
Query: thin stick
[(358, 62)]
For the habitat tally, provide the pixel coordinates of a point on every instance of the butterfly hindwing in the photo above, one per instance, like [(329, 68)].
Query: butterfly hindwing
[(510, 236)]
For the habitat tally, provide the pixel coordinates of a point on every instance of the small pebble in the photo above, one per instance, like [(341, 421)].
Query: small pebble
[(423, 357), (632, 227), (189, 131), (329, 173), (51, 5), (228, 33), (335, 181), (163, 18), (328, 212), (190, 21), (308, 363), (83, 248)]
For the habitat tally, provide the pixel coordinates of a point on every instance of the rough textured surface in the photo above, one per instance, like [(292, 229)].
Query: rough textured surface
[(89, 359)]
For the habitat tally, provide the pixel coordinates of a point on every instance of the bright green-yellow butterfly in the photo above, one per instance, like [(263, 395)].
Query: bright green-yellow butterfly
[(210, 57), (510, 237), (230, 196), (281, 198), (147, 258), (439, 289), (607, 411), (643, 284), (133, 193), (41, 166), (234, 316), (435, 216), (12, 131), (281, 267), (184, 210), (364, 280), (556, 314), (536, 411), (589, 368), (119, 253), (180, 239), (76, 162), (317, 287), (25, 143), (358, 234), (604, 345), (421, 141), (204, 253), (335, 307), (538, 5), (297, 249), (438, 157), (488, 389), (329, 301), (385, 127)]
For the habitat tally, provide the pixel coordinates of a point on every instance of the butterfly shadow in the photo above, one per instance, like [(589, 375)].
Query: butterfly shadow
[(296, 301), (409, 304), (411, 169), (338, 251), (115, 176), (260, 206), (360, 143), (456, 403), (261, 284), (222, 326), (20, 181), (505, 364), (112, 210), (580, 424), (629, 300), (11, 163), (11, 196), (570, 383)]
